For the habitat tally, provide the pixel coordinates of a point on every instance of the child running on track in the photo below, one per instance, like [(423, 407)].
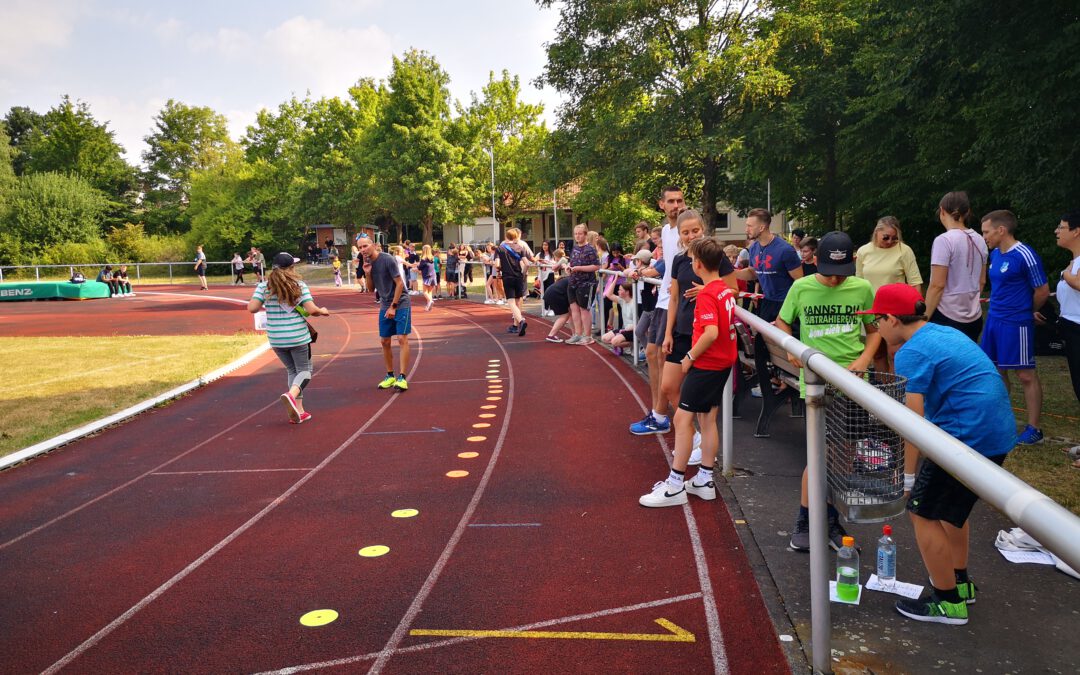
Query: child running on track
[(395, 311), (284, 295), (706, 367)]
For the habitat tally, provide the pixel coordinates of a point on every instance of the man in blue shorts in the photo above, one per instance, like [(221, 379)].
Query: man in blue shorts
[(1018, 289), (952, 383), (395, 312)]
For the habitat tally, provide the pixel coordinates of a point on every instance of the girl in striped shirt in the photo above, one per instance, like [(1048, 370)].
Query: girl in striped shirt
[(287, 301)]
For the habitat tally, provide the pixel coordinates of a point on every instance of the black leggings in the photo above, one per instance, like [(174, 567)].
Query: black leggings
[(1070, 332)]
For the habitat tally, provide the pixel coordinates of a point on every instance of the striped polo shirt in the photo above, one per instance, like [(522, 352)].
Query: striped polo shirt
[(284, 325)]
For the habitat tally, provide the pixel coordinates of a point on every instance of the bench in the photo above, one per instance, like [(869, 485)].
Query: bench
[(767, 362)]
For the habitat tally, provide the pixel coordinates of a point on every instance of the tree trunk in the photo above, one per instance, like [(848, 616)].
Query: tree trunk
[(708, 194), (427, 222)]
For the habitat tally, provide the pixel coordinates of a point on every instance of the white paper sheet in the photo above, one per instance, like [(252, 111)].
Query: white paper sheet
[(1039, 557), (896, 587), (260, 320), (835, 598)]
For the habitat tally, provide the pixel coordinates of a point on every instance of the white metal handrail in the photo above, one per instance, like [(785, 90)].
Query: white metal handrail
[(1047, 521)]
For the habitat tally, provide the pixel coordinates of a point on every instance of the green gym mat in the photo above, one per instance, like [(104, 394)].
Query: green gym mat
[(44, 290)]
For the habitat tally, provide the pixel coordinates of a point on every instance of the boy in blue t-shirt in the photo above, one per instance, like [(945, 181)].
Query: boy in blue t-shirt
[(952, 383), (1018, 288)]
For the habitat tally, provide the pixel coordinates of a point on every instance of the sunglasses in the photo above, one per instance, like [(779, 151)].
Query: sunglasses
[(889, 237)]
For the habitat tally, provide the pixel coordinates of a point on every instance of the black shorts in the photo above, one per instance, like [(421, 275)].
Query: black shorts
[(702, 390), (201, 270), (451, 277), (939, 496), (972, 330), (514, 287), (582, 295), (680, 345), (658, 327)]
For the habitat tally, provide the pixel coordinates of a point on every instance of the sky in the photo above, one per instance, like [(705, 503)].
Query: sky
[(126, 59)]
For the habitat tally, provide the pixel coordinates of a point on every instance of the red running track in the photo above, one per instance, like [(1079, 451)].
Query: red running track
[(195, 537)]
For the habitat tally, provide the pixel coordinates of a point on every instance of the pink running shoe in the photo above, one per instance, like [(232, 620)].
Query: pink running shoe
[(304, 417), (291, 407)]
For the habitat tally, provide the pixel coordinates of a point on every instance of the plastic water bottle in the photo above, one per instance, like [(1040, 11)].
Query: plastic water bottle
[(886, 558), (847, 571)]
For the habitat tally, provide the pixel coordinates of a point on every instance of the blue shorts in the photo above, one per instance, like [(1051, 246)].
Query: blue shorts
[(401, 324), (1010, 346)]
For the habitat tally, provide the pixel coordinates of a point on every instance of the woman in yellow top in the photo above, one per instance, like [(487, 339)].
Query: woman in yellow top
[(887, 260)]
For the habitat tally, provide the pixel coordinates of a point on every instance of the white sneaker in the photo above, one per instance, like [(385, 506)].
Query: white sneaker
[(131, 295), (695, 456), (755, 391), (706, 491), (489, 301), (500, 301), (660, 496)]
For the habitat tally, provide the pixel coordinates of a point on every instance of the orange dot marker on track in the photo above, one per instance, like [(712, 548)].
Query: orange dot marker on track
[(468, 455), (486, 416), (476, 439), (488, 407), (494, 398), (481, 425), (457, 474)]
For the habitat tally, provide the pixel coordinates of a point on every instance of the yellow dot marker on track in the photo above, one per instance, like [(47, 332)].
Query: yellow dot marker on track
[(494, 398), (374, 551), (404, 513), (476, 439), (481, 425), (457, 474), (488, 407), (468, 455), (494, 361), (486, 416), (318, 617), (493, 371), (492, 377)]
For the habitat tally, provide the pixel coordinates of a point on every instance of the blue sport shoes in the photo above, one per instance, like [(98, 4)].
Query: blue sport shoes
[(1030, 436), (649, 425)]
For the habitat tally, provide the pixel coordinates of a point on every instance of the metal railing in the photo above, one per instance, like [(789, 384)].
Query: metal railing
[(95, 267), (1048, 522)]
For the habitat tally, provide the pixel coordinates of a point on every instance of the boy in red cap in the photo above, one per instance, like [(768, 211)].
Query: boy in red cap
[(952, 383)]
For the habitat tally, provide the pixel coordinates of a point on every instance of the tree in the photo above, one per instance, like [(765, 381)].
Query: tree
[(660, 84), (49, 208), (21, 123), (420, 174), (70, 140), (499, 122), (185, 139)]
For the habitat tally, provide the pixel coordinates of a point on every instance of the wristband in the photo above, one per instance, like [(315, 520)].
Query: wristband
[(909, 482), (690, 356)]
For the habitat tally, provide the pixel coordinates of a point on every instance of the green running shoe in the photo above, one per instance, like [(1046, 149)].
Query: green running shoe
[(401, 384), (934, 610), (387, 382), (967, 591)]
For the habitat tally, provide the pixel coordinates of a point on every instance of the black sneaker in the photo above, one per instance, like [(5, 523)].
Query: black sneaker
[(511, 329), (934, 610), (521, 327), (837, 534), (800, 535)]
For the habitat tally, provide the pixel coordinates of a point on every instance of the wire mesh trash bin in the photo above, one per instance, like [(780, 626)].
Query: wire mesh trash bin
[(864, 457)]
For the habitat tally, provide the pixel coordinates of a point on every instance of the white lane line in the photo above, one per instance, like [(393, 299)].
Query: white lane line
[(458, 640), (179, 576), (414, 608), (432, 430), (200, 473), (504, 524), (712, 616), (470, 379)]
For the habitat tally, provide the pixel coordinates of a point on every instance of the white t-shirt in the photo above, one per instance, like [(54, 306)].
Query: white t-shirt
[(669, 237), (1068, 297)]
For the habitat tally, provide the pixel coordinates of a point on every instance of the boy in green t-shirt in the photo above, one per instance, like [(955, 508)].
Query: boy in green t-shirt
[(825, 305)]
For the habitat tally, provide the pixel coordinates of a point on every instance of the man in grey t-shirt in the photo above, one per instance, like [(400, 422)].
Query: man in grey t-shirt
[(395, 312)]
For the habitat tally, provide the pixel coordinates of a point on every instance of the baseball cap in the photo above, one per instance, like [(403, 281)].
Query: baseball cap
[(284, 260), (836, 254), (895, 299), (643, 256)]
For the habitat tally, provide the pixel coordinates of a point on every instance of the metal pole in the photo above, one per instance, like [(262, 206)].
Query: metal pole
[(170, 273), (555, 211), (820, 620), (494, 220), (727, 442), (37, 273)]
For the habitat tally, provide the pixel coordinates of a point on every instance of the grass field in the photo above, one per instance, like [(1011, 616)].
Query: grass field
[(75, 380)]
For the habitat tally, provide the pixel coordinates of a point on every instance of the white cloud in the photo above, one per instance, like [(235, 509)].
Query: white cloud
[(169, 30), (129, 120), (30, 28), (325, 59), (239, 120), (230, 43)]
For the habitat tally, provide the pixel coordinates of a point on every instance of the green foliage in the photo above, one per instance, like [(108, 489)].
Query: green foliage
[(657, 87), (95, 252), (21, 122), (186, 139), (130, 243), (619, 212), (48, 208), (421, 175)]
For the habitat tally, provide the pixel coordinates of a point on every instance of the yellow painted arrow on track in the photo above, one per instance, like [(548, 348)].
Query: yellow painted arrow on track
[(676, 634)]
